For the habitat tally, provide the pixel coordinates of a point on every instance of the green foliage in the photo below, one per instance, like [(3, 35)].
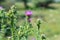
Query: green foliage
[(2, 0), (10, 29)]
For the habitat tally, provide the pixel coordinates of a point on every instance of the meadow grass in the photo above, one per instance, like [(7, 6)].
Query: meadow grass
[(50, 22)]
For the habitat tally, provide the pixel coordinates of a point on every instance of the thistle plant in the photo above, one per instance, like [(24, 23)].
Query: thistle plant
[(28, 13), (1, 16), (43, 37), (38, 23), (26, 29), (11, 22), (38, 26), (0, 19), (13, 18), (8, 24), (2, 13)]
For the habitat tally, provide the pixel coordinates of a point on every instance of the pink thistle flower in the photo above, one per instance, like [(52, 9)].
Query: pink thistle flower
[(28, 13), (33, 39), (1, 8)]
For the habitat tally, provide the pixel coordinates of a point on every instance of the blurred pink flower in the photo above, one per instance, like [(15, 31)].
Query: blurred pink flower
[(28, 13), (33, 39), (1, 8)]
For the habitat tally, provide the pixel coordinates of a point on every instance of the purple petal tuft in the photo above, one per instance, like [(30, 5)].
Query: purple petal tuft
[(28, 13)]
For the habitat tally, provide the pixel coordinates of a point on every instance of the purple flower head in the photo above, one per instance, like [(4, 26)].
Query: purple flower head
[(28, 13), (33, 39), (1, 8)]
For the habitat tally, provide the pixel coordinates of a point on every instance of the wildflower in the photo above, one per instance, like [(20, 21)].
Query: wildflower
[(1, 8), (28, 13), (33, 39)]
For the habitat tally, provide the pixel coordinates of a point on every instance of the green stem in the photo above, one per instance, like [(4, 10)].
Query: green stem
[(12, 28)]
